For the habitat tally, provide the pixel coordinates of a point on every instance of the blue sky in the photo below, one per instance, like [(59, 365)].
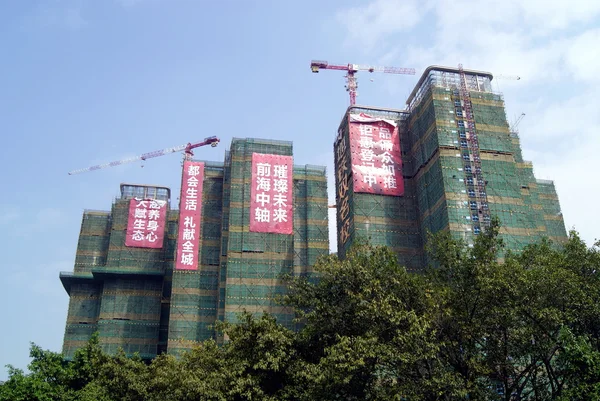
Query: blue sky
[(86, 82)]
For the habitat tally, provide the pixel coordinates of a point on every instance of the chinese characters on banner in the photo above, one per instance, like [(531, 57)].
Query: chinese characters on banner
[(376, 161), (343, 187), (271, 208), (190, 207), (146, 223)]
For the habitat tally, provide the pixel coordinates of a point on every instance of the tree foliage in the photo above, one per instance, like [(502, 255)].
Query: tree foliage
[(482, 324)]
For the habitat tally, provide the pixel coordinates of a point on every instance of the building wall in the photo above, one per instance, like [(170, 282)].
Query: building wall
[(254, 263), (136, 300), (85, 293), (114, 290), (194, 293), (431, 139), (382, 220), (242, 270), (131, 291), (441, 189), (512, 191)]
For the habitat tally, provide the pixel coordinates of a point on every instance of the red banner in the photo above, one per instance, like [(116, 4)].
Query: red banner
[(146, 223), (271, 208), (190, 222), (376, 161)]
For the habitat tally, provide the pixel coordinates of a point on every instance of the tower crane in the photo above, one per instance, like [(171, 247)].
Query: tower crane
[(187, 149), (352, 69)]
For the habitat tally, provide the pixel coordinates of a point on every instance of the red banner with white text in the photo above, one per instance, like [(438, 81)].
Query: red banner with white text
[(271, 197), (190, 222), (376, 160), (146, 223)]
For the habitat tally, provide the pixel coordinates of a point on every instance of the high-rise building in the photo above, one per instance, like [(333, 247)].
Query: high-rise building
[(453, 163), (149, 280)]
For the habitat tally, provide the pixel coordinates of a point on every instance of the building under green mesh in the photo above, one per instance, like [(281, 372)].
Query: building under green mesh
[(116, 290), (383, 220), (134, 298), (461, 166)]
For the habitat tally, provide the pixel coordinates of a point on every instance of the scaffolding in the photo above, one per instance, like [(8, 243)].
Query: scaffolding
[(84, 291), (469, 166), (382, 220), (92, 247), (252, 264), (469, 144), (130, 309), (241, 270), (136, 300), (82, 317), (116, 290), (194, 293)]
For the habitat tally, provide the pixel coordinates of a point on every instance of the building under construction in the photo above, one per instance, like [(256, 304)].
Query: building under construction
[(151, 280), (453, 164), (134, 283)]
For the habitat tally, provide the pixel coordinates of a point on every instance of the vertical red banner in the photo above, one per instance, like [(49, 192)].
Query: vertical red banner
[(271, 196), (190, 222), (146, 223), (376, 160)]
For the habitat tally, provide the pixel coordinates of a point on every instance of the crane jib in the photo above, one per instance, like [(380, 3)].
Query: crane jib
[(213, 140)]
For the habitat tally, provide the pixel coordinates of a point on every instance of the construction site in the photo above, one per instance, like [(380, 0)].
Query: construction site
[(151, 279)]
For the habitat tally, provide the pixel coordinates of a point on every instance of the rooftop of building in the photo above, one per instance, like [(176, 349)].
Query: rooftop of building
[(442, 68), (130, 190), (385, 112)]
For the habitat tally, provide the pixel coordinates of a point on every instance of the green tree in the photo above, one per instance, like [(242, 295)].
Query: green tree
[(501, 323), (199, 374), (252, 365), (467, 286), (580, 364), (260, 353), (367, 333), (527, 324), (49, 379)]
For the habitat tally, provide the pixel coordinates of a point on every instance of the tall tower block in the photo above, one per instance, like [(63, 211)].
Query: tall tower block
[(460, 166), (376, 197)]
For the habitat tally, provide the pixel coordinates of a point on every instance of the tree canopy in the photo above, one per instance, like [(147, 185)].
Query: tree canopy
[(523, 327)]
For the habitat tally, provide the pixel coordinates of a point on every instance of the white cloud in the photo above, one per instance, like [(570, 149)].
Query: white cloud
[(367, 25), (569, 121), (582, 57), (503, 36), (576, 184), (535, 18), (547, 16)]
